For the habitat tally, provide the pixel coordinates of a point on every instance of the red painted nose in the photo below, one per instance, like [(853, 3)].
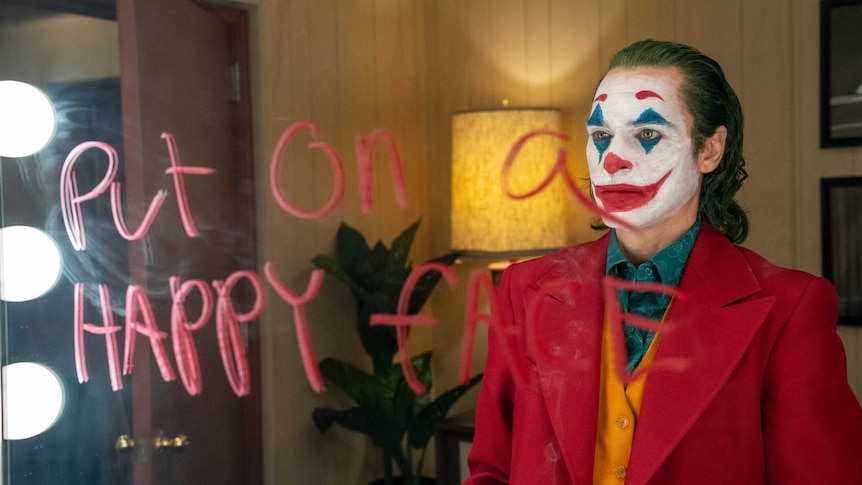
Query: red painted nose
[(614, 164)]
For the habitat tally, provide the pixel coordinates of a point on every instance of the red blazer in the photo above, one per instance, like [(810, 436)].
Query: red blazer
[(764, 398)]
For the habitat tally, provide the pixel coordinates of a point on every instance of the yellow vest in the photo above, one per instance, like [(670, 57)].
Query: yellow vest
[(618, 413)]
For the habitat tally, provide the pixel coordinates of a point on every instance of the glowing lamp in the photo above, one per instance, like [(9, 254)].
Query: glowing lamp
[(30, 263), (33, 400), (484, 218), (26, 119)]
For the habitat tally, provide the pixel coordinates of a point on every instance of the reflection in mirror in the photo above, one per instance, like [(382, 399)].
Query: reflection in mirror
[(30, 263), (73, 58), (175, 80), (32, 400), (26, 119)]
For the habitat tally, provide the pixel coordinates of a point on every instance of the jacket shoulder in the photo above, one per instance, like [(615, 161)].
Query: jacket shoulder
[(573, 262), (772, 276)]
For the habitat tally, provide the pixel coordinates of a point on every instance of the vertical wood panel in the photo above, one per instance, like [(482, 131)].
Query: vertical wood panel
[(357, 96), (304, 166), (537, 51), (456, 26), (419, 116), (480, 70), (716, 29), (322, 72), (768, 95), (452, 49), (645, 20), (613, 17), (576, 66), (390, 71), (575, 61), (507, 50), (277, 117), (809, 160)]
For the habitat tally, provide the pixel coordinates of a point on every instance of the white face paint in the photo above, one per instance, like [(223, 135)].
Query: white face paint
[(639, 153)]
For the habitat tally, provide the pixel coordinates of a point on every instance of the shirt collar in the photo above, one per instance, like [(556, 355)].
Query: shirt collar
[(669, 262)]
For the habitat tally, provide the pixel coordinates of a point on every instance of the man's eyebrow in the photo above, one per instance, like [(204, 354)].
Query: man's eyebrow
[(597, 118), (647, 94), (650, 117)]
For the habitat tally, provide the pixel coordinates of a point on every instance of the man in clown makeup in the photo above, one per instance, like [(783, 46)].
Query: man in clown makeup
[(736, 377)]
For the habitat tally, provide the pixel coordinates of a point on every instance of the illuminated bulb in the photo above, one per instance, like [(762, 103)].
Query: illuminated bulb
[(30, 263), (26, 119), (32, 400)]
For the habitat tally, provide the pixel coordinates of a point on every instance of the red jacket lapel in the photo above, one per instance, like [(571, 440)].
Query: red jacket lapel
[(568, 316), (712, 333)]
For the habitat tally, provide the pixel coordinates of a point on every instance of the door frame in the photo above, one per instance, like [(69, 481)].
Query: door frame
[(236, 20)]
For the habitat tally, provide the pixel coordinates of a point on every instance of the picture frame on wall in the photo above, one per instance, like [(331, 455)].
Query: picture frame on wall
[(840, 73), (841, 229)]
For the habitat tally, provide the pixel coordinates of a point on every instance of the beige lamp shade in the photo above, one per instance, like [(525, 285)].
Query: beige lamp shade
[(484, 217)]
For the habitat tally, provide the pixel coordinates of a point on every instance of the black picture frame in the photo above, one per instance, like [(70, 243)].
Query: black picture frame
[(841, 229), (840, 73)]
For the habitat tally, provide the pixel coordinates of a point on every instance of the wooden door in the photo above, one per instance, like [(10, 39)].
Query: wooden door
[(183, 74)]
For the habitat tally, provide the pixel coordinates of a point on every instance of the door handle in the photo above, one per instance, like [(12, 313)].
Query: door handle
[(178, 443), (125, 443)]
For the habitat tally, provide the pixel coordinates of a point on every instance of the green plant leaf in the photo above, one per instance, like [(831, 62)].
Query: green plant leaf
[(428, 281), (400, 250), (424, 425), (406, 403), (376, 277), (380, 341), (355, 258), (332, 268), (373, 391), (383, 431), (386, 406)]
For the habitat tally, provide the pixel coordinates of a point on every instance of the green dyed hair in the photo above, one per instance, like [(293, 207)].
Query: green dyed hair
[(712, 103)]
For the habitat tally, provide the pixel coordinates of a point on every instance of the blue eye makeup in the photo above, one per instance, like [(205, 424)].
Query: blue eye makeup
[(649, 116), (650, 138), (600, 139)]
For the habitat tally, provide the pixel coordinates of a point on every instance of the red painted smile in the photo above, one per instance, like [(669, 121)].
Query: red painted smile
[(625, 197)]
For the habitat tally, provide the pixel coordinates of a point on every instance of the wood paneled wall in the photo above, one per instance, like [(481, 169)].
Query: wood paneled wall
[(407, 65)]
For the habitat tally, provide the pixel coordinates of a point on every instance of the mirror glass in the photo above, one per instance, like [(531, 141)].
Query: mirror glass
[(56, 430), (127, 237)]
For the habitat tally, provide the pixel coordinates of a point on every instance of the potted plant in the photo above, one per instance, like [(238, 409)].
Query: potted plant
[(397, 421)]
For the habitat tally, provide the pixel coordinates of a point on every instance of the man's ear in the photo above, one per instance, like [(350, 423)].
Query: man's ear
[(712, 151)]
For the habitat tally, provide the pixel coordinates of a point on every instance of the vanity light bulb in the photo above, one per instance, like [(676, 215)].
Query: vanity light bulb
[(33, 400), (30, 263), (27, 119)]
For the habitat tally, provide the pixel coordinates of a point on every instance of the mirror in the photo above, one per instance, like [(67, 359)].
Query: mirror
[(70, 54), (149, 326)]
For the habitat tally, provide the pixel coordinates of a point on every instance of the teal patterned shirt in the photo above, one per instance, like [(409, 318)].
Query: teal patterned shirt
[(665, 268)]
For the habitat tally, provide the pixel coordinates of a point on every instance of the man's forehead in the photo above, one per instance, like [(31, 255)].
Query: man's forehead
[(661, 86), (633, 96), (642, 94)]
